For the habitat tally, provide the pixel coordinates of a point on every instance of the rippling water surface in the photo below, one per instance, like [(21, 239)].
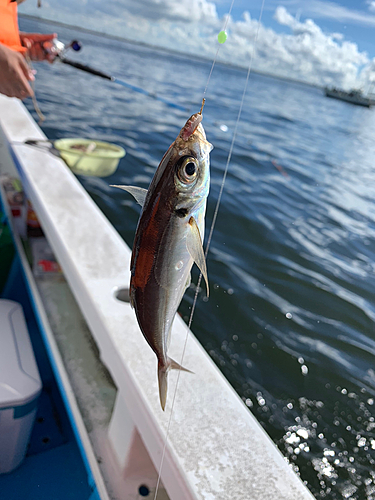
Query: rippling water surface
[(290, 319)]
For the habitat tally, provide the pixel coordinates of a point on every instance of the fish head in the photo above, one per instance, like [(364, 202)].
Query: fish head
[(183, 175), (192, 162)]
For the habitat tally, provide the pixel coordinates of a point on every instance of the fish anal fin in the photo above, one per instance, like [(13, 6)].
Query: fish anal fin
[(176, 366), (163, 370), (195, 248), (138, 193)]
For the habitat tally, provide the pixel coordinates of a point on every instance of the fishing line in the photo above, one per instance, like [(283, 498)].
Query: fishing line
[(234, 136), (213, 221), (217, 52), (35, 102), (223, 182)]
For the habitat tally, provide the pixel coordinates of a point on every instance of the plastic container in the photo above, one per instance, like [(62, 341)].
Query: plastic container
[(89, 157), (20, 386), (44, 260), (16, 201)]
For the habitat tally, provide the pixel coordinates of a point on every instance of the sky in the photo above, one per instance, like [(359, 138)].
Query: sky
[(315, 41)]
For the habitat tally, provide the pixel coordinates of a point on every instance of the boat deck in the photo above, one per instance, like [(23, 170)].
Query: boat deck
[(53, 467)]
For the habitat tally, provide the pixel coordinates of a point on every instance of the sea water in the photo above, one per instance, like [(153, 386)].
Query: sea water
[(290, 318)]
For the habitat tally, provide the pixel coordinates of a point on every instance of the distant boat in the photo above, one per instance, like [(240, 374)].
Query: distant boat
[(354, 96)]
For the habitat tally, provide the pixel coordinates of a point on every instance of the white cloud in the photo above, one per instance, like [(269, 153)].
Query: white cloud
[(319, 9), (332, 10), (327, 58), (189, 11), (307, 54), (183, 10), (191, 26)]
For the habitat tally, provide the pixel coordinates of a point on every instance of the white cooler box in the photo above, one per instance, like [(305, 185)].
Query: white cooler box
[(20, 386)]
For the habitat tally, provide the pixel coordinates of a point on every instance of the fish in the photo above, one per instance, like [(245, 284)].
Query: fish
[(169, 239)]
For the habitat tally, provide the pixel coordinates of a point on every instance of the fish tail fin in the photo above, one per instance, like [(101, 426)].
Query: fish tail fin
[(163, 383), (163, 370)]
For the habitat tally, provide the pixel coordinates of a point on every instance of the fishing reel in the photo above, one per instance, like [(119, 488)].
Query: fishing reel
[(58, 49)]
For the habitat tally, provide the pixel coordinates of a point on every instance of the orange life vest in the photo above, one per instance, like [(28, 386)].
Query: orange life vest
[(9, 34)]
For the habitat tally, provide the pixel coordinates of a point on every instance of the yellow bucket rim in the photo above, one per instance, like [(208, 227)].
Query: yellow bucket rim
[(111, 150)]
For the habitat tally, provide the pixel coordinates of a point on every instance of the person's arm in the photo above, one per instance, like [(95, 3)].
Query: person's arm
[(15, 74), (34, 44)]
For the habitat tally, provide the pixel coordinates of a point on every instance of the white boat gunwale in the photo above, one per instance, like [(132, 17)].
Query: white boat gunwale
[(216, 448)]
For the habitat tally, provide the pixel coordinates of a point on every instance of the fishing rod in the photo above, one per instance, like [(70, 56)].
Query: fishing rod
[(58, 49), (101, 74)]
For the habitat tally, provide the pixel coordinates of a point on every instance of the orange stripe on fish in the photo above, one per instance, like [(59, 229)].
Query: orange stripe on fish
[(147, 249)]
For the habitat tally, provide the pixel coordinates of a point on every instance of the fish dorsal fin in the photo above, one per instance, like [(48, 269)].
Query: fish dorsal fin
[(138, 193), (195, 248)]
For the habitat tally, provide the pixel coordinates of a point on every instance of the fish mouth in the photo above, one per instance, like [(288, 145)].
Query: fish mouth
[(193, 137), (190, 126)]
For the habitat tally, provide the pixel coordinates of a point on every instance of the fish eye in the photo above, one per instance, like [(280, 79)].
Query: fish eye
[(190, 169), (187, 169)]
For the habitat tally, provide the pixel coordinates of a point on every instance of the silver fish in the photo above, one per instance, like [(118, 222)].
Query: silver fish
[(169, 239)]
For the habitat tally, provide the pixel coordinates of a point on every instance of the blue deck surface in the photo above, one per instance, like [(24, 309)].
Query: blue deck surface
[(55, 474), (54, 468)]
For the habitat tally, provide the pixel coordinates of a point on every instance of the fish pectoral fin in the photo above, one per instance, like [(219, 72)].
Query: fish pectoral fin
[(138, 193), (163, 378), (195, 248)]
